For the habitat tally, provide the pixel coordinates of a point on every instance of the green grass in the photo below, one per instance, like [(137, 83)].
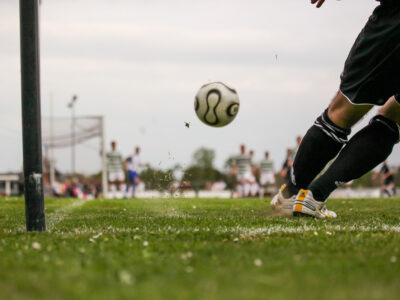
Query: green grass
[(199, 249)]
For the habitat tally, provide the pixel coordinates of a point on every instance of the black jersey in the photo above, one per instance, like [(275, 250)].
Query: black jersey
[(385, 169)]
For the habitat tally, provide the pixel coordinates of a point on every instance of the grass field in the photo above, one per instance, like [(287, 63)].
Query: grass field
[(199, 249)]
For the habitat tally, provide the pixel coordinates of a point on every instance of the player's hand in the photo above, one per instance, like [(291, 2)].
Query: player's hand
[(319, 2)]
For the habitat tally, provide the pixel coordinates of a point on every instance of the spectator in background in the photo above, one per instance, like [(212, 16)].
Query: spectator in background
[(219, 185), (115, 168)]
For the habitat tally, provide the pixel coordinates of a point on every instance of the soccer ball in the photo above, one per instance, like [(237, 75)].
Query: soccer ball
[(216, 104)]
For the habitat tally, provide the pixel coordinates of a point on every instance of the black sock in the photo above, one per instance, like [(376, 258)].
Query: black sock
[(365, 150), (321, 144)]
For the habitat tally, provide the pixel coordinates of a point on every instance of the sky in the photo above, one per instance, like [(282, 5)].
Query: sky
[(140, 63)]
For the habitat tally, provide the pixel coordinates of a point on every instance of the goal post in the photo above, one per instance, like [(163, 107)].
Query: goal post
[(31, 118), (104, 180), (58, 134)]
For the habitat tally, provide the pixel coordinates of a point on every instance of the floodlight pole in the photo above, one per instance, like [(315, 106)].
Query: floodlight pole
[(31, 119), (71, 105)]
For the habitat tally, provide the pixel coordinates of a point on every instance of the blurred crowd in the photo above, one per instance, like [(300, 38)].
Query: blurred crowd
[(244, 176), (74, 188)]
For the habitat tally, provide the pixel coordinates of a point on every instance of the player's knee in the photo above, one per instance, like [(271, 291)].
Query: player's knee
[(343, 113), (387, 125), (324, 123), (391, 109)]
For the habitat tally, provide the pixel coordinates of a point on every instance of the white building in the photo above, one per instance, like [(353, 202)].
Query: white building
[(9, 184)]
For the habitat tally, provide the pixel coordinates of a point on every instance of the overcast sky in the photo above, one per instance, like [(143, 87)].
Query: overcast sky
[(140, 63)]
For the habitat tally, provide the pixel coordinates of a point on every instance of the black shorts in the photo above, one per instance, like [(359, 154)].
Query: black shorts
[(371, 72), (388, 180)]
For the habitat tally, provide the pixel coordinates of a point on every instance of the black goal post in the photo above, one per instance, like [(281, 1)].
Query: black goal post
[(31, 120)]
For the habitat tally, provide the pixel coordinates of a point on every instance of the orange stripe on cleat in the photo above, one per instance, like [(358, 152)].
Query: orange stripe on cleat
[(302, 195), (298, 207)]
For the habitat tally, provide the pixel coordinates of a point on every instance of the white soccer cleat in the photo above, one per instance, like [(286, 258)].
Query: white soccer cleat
[(306, 205), (328, 212), (281, 204)]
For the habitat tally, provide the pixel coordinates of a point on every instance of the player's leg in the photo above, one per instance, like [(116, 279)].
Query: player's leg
[(136, 181), (253, 185), (246, 179), (254, 189), (239, 186), (121, 183), (261, 191), (117, 185), (263, 184), (365, 150), (113, 189), (370, 75), (384, 191), (128, 192), (239, 189), (392, 187), (321, 144), (323, 141), (246, 189), (111, 183), (270, 186)]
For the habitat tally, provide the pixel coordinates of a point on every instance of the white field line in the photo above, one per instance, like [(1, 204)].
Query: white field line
[(58, 215), (55, 217), (238, 230)]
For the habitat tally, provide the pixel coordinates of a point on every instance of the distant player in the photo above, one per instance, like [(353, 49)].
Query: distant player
[(115, 168), (349, 192), (241, 168), (388, 186), (290, 176), (371, 76), (287, 165), (133, 164), (267, 175), (294, 151), (254, 186)]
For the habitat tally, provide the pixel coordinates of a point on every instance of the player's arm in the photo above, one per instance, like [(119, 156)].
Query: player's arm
[(234, 168), (290, 163), (125, 164), (319, 2), (284, 169)]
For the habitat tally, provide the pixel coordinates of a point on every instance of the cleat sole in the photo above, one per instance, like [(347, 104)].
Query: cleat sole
[(302, 215)]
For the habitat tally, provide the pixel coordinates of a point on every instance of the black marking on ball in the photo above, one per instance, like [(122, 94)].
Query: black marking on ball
[(229, 88), (232, 109), (213, 91), (196, 104)]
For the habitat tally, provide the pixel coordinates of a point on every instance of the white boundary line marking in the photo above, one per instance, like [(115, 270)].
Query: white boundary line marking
[(237, 230), (59, 215)]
